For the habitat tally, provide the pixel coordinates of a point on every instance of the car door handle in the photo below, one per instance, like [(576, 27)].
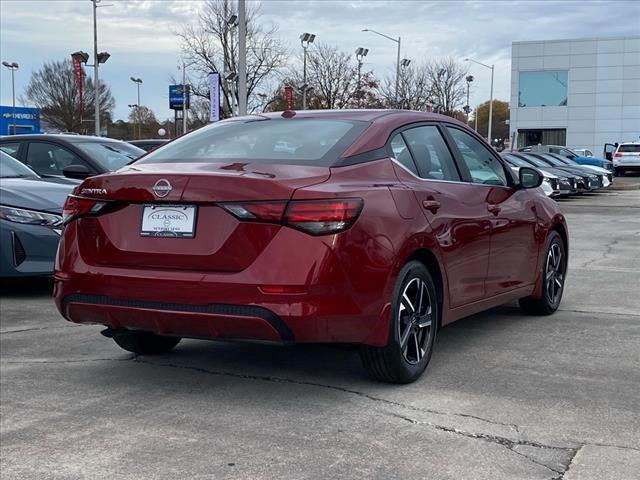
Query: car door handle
[(495, 209), (431, 205)]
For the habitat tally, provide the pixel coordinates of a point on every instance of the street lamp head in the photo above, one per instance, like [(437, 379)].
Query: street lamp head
[(362, 52), (365, 29), (230, 76), (233, 21), (103, 57), (136, 80), (80, 56), (405, 62), (469, 78), (307, 37)]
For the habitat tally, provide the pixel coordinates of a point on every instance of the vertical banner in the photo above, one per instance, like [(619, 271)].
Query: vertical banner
[(77, 71), (214, 97), (288, 96)]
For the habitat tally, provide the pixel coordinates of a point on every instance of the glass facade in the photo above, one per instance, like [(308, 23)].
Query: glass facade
[(545, 88)]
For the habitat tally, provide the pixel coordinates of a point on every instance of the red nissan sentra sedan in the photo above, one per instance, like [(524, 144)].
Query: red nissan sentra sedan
[(366, 227)]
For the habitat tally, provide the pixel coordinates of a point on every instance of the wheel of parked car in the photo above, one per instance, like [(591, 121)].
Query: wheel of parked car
[(618, 172), (412, 329), (145, 342), (554, 269)]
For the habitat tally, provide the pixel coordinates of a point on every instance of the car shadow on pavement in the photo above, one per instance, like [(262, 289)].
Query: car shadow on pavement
[(26, 287), (316, 363)]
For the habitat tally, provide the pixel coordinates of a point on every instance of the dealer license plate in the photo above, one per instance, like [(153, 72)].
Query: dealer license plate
[(168, 221)]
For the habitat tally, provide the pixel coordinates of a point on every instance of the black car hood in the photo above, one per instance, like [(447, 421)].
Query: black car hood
[(34, 194)]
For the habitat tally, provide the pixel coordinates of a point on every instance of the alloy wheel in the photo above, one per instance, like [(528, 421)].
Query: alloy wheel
[(415, 320), (554, 273)]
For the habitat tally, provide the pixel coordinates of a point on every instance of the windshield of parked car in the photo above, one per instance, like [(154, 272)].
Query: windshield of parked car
[(536, 161), (111, 155), (561, 160), (553, 160), (12, 168), (629, 148), (518, 162), (305, 141)]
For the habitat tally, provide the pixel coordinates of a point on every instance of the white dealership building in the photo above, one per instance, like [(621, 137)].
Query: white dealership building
[(578, 93)]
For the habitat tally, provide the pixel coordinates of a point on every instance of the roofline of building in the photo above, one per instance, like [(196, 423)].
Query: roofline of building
[(584, 39)]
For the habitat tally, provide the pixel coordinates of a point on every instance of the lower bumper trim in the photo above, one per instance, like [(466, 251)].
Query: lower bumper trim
[(214, 308)]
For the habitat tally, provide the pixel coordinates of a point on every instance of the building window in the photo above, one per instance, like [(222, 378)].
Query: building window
[(551, 136), (546, 88)]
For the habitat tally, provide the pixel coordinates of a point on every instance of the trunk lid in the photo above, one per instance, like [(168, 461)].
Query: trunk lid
[(220, 242)]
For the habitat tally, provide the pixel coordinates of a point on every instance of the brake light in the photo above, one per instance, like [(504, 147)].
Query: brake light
[(77, 206), (617, 154), (316, 217), (322, 217)]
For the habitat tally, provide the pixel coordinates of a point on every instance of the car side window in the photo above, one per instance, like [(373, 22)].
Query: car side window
[(431, 154), (482, 165), (11, 148), (50, 159), (402, 154)]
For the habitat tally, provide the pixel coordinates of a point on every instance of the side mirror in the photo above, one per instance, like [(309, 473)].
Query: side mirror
[(530, 177), (78, 172)]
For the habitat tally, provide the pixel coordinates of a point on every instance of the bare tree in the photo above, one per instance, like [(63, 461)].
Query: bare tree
[(333, 77), (446, 77), (211, 46), (414, 92), (53, 90)]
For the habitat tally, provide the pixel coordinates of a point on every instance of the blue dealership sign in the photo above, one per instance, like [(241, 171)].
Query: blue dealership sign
[(27, 120), (176, 97)]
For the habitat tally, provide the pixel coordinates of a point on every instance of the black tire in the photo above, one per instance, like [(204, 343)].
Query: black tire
[(550, 299), (394, 363), (145, 342), (618, 172)]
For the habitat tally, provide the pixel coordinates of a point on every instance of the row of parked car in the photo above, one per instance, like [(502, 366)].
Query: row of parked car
[(563, 175)]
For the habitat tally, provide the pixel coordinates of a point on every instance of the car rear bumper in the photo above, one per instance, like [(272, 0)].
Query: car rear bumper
[(308, 295)]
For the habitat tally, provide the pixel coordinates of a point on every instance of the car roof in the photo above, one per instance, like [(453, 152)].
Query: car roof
[(61, 137), (366, 115)]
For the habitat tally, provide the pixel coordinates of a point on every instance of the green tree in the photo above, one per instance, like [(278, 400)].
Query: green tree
[(499, 127)]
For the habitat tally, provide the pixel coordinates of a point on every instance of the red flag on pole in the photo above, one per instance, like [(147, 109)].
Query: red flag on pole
[(77, 70)]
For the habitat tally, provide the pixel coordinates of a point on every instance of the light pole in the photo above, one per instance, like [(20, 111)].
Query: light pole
[(467, 108), (13, 66), (138, 82), (360, 54), (98, 58), (242, 58), (398, 40), (305, 40), (490, 98), (404, 63)]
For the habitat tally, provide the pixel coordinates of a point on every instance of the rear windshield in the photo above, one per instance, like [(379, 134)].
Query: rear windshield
[(110, 155), (629, 148), (305, 141)]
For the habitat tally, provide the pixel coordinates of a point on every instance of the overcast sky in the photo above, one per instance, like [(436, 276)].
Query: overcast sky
[(139, 34)]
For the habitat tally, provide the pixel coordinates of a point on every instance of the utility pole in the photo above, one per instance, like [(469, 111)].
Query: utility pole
[(305, 40), (242, 58), (96, 83), (13, 67), (184, 98)]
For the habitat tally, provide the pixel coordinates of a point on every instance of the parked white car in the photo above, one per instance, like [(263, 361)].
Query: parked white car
[(626, 158)]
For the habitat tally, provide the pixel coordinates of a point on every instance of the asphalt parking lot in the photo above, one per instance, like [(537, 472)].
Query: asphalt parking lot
[(506, 396)]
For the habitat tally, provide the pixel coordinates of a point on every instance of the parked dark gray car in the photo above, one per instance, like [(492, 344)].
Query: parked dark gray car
[(30, 219), (71, 156)]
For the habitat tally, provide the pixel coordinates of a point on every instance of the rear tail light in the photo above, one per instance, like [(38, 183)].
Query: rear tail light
[(617, 154), (257, 211), (315, 217), (321, 217), (77, 206)]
